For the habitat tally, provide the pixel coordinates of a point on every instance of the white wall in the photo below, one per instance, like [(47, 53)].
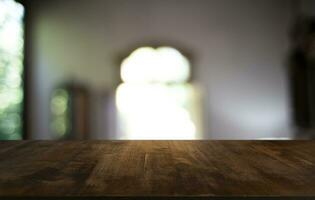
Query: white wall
[(239, 51)]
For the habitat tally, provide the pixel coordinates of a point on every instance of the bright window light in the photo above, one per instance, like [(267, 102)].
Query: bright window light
[(11, 69), (164, 65), (155, 102)]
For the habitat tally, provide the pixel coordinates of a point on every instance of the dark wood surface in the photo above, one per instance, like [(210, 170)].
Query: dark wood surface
[(157, 168)]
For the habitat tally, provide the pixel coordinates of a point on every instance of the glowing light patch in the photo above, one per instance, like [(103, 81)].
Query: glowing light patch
[(164, 64), (155, 112), (155, 102)]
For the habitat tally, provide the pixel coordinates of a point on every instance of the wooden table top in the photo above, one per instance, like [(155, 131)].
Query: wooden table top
[(157, 168)]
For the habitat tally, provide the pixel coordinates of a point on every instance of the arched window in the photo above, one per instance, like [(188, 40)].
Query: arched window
[(11, 69), (155, 100)]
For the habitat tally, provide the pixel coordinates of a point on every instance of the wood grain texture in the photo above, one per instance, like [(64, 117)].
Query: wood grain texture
[(157, 168)]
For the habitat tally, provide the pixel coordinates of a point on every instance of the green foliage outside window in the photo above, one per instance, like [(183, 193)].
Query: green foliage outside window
[(11, 69)]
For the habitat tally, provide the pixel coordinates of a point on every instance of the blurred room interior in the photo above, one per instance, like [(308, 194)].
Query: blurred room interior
[(154, 69)]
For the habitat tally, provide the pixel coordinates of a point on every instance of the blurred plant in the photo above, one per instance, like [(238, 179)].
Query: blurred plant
[(59, 106)]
